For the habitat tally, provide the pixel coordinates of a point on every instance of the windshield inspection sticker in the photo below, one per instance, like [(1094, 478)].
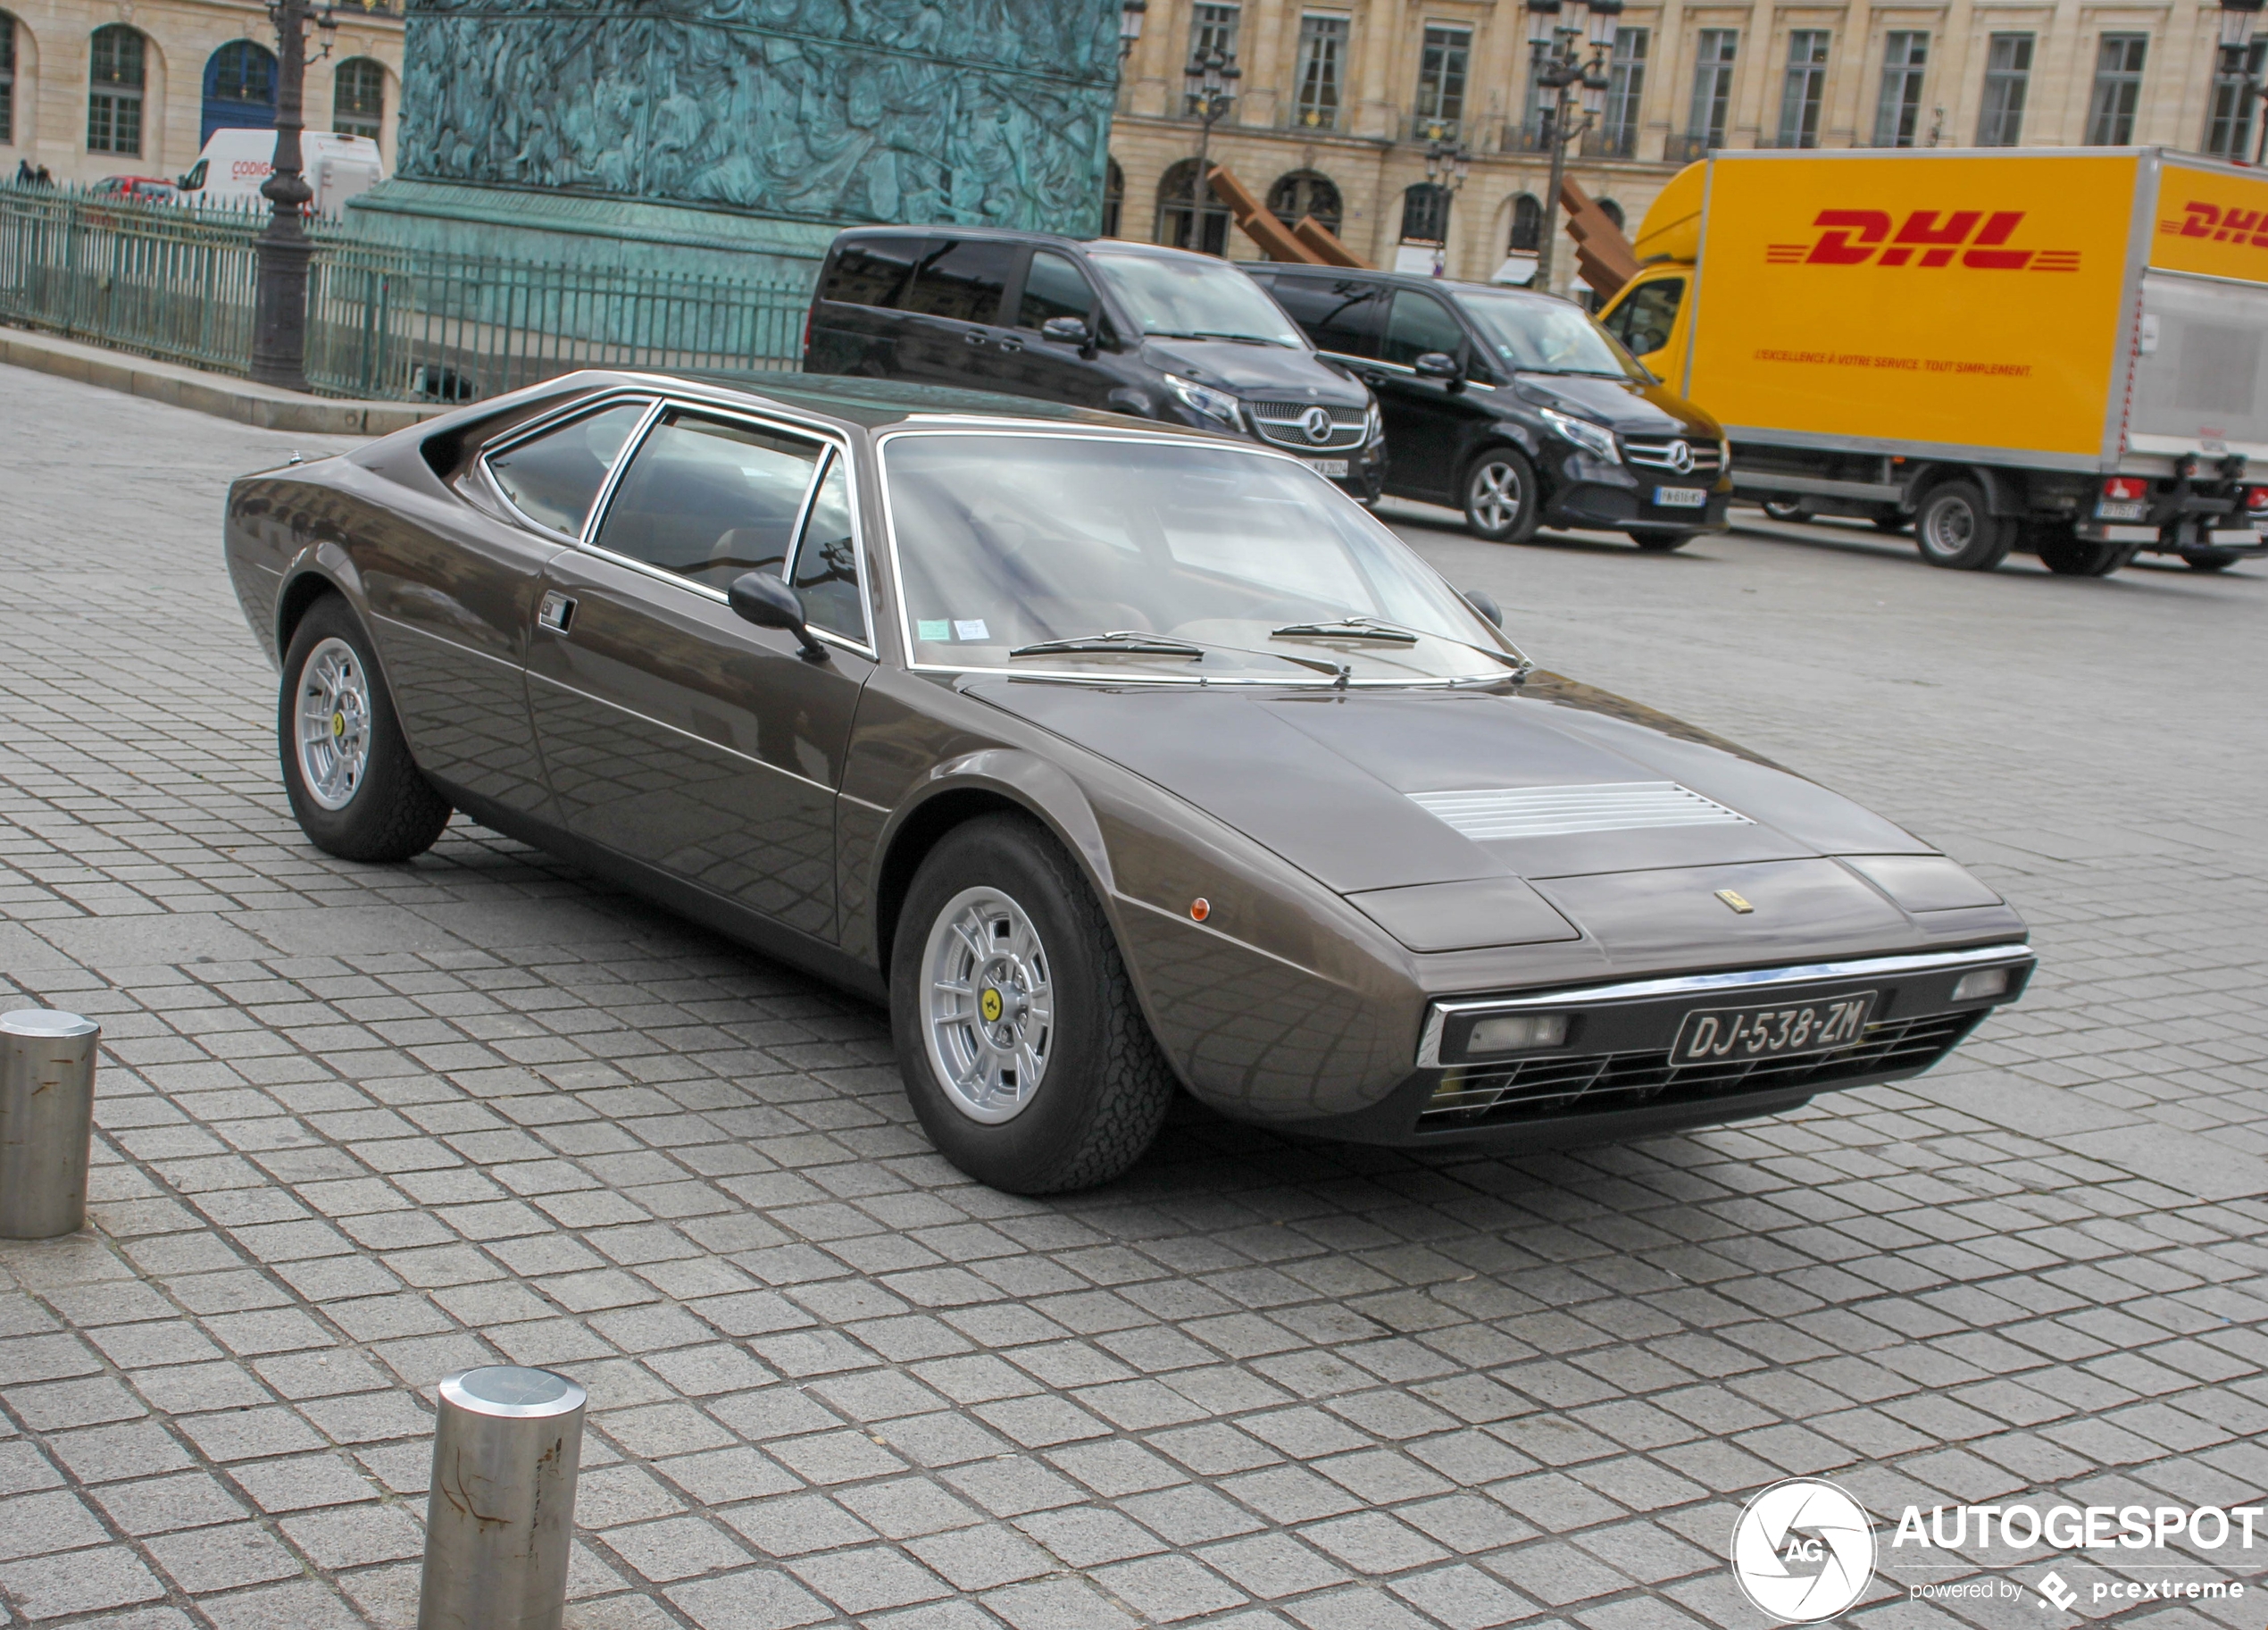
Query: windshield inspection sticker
[(933, 627), (972, 627)]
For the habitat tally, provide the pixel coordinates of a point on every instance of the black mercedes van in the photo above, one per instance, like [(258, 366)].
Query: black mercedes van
[(1130, 327), (1512, 406)]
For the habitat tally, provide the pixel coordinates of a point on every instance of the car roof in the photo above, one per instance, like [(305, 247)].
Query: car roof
[(1410, 279), (1013, 235)]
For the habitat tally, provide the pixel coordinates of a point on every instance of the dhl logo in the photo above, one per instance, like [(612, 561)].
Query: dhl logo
[(1928, 238), (2231, 225)]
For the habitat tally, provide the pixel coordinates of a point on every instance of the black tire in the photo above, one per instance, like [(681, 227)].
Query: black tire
[(1890, 523), (1661, 543), (1495, 474), (1786, 509), (1104, 1084), (2067, 555), (388, 810), (2211, 560), (1956, 529)]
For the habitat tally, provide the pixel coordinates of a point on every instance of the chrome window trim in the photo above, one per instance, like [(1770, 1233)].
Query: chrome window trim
[(559, 418), (832, 446), (1438, 1013), (942, 425)]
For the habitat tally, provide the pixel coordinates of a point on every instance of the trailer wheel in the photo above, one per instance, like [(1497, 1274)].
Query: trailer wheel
[(2067, 555), (1956, 529)]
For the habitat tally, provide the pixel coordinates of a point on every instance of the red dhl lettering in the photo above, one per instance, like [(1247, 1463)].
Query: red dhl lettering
[(2230, 225), (1928, 237)]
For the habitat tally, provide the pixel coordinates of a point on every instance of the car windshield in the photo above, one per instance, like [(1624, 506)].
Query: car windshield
[(1010, 541), (1542, 336), (1194, 297)]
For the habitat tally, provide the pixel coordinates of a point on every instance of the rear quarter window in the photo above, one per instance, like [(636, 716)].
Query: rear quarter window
[(871, 271)]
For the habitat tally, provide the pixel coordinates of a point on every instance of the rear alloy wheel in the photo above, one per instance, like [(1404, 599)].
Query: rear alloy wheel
[(1956, 529), (354, 788), (1501, 502), (1023, 1049), (2067, 555), (1786, 509)]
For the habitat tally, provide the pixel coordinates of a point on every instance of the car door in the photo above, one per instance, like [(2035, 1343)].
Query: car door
[(950, 331), (1430, 423), (674, 732), (1053, 286), (451, 596)]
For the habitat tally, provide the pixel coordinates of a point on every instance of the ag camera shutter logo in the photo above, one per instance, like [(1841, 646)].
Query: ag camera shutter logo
[(1803, 1550)]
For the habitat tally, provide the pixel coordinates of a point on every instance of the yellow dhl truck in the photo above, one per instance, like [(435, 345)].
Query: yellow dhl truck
[(2057, 350)]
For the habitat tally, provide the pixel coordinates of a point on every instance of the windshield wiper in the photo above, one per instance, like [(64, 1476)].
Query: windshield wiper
[(1131, 643), (1246, 339), (1378, 628)]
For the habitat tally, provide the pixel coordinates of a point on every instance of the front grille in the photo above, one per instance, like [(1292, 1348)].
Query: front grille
[(1539, 1088), (1280, 422), (1548, 812), (1655, 452)]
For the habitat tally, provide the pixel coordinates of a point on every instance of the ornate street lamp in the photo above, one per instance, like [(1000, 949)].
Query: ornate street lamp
[(1129, 26), (281, 253), (1210, 84), (1447, 162), (1571, 57)]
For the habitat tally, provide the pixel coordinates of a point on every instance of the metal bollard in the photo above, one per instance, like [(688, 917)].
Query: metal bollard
[(502, 1509), (47, 1121)]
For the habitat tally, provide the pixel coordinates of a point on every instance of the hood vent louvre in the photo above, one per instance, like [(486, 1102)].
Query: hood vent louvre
[(1487, 813)]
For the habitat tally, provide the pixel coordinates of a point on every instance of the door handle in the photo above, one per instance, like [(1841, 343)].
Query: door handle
[(1011, 345), (556, 612), (973, 338)]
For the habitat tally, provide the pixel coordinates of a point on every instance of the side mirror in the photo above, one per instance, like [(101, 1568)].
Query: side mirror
[(1485, 603), (1069, 330), (763, 599), (1436, 365)]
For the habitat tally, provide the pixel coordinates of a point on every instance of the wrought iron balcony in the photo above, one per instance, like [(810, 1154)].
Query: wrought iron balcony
[(1685, 149)]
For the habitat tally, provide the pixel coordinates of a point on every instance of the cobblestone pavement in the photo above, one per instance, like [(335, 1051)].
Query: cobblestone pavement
[(360, 1127)]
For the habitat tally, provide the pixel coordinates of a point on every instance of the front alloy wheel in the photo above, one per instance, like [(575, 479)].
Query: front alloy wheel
[(1501, 503), (991, 1018)]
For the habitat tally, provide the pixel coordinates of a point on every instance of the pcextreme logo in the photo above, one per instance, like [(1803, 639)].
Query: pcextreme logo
[(1927, 238), (2227, 224), (1803, 1550)]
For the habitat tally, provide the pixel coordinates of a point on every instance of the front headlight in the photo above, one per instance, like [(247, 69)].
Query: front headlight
[(1374, 427), (1594, 439), (1213, 404)]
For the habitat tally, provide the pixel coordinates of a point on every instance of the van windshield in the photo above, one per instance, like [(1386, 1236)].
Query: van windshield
[(1545, 336), (1192, 298)]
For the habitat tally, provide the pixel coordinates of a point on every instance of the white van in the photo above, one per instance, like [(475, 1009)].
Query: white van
[(228, 174)]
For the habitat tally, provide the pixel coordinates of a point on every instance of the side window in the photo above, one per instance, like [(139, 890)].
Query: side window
[(826, 570), (1053, 287), (553, 478), (709, 499), (871, 271), (1643, 322), (963, 278), (1420, 324), (1342, 315)]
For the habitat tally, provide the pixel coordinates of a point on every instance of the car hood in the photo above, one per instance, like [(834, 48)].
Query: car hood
[(1622, 405), (1261, 370), (1333, 780)]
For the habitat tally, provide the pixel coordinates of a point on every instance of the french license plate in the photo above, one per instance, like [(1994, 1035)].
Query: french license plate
[(1680, 497), (2105, 510), (1711, 1035), (1336, 468)]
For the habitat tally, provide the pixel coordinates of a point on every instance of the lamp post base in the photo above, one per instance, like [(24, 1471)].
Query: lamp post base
[(280, 334)]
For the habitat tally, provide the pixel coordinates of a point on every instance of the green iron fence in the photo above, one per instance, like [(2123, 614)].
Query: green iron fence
[(382, 323)]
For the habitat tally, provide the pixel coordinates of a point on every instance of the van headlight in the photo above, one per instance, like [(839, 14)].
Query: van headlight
[(1594, 439), (1213, 404)]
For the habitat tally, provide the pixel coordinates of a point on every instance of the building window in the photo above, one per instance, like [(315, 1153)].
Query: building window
[(2228, 128), (1898, 114), (1712, 84), (115, 92), (1613, 211), (239, 89), (2007, 75), (1527, 225), (7, 80), (1304, 193), (1425, 214), (358, 98), (1114, 196), (2118, 88), (1625, 85), (1322, 59), (1442, 63), (1806, 82), (1213, 28), (1182, 221)]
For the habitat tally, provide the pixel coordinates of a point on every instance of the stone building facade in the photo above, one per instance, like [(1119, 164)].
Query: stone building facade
[(91, 88), (1336, 99)]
